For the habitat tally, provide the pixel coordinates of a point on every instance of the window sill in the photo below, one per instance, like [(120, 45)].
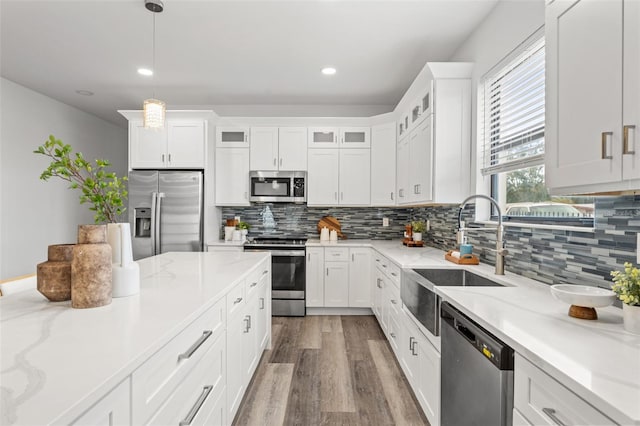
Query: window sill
[(538, 226)]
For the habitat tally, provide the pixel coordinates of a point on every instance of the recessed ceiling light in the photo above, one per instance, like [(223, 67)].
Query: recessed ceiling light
[(328, 71), (145, 71), (84, 92)]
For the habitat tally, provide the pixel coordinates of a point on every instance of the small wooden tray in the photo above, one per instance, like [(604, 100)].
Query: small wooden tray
[(411, 243), (465, 259)]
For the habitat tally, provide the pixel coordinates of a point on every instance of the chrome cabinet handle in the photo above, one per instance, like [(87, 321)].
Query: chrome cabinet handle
[(384, 266), (196, 407), (395, 302), (253, 285), (169, 157), (419, 186), (411, 344), (163, 158), (327, 271), (378, 283), (186, 355), (309, 257), (378, 260), (274, 161), (552, 415), (335, 195), (394, 274), (392, 335), (245, 195), (353, 257), (626, 130), (606, 136), (265, 272), (247, 322), (238, 300), (281, 162), (262, 303), (245, 137), (391, 195)]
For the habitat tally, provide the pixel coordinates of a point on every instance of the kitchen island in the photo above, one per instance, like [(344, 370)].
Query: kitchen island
[(58, 363)]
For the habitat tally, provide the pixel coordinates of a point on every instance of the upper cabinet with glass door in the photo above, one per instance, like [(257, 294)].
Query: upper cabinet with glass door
[(232, 137), (355, 137), (323, 137)]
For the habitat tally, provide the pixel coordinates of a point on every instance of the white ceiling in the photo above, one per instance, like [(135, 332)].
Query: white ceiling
[(226, 53)]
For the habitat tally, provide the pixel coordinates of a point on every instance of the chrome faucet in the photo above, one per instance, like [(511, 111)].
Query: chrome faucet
[(501, 252)]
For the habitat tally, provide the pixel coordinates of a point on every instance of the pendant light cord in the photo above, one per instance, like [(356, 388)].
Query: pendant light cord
[(153, 50)]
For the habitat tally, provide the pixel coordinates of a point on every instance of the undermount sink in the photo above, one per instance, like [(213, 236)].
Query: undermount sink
[(456, 277), (582, 295)]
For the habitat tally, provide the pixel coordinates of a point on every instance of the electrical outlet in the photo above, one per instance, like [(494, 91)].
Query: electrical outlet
[(427, 228), (638, 247), (385, 221)]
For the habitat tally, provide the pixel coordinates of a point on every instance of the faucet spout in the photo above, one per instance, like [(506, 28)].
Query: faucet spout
[(500, 250)]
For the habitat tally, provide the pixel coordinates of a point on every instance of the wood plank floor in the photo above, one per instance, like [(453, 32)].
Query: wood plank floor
[(329, 370)]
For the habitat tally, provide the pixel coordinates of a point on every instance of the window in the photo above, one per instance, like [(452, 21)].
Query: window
[(511, 153)]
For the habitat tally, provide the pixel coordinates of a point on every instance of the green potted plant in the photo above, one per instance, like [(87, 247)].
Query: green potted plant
[(418, 227), (244, 229), (626, 284)]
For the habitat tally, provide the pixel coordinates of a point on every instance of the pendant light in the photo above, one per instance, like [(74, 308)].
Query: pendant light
[(153, 110)]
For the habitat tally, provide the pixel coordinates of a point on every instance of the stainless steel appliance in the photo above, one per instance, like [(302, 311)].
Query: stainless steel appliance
[(288, 269), (477, 373), (274, 187), (418, 295), (165, 211)]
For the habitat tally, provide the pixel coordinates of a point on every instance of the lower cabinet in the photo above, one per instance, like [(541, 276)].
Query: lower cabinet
[(112, 409), (336, 284)]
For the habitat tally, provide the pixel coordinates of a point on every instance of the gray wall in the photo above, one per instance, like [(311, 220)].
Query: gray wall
[(33, 213)]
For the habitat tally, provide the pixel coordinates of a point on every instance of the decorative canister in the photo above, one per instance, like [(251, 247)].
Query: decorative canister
[(54, 275), (91, 275), (631, 318)]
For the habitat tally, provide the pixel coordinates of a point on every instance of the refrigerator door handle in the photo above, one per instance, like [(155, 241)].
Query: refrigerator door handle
[(157, 248), (154, 221)]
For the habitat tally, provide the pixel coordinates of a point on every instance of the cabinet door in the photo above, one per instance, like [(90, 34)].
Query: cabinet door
[(264, 148), (235, 362), (251, 342), (404, 195), (263, 320), (355, 177), (421, 163), (186, 144), (336, 284), (378, 283), (147, 147), (355, 137), (315, 277), (409, 356), (360, 278), (322, 178), (232, 177), (113, 409), (631, 94), (232, 137), (292, 150), (323, 137), (428, 390), (383, 165), (583, 96)]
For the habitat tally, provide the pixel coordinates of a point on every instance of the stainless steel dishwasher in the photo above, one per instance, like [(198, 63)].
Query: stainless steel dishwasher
[(476, 373)]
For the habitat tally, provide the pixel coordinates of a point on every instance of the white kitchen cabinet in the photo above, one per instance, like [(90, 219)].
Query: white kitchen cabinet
[(519, 419), (378, 297), (315, 277), (355, 137), (543, 401), (274, 148), (323, 178), (180, 144), (263, 314), (232, 137), (383, 165), (421, 167), (402, 183), (355, 177), (323, 137), (232, 176), (113, 409), (592, 135), (360, 277), (336, 284)]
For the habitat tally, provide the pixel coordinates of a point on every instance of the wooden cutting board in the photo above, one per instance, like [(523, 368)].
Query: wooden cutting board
[(330, 222)]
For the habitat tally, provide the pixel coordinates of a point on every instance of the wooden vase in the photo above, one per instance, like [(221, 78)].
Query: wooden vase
[(91, 279), (54, 275)]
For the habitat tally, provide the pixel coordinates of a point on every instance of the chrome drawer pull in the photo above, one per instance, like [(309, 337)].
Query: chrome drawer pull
[(266, 271), (196, 407), (247, 321), (411, 344), (394, 302), (394, 274), (626, 130), (253, 284), (238, 300), (186, 355), (552, 415), (262, 303), (392, 335), (606, 151)]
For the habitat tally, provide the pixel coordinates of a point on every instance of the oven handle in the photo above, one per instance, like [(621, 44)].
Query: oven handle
[(288, 253)]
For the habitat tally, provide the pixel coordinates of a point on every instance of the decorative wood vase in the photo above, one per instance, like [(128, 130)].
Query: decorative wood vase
[(91, 276), (54, 275), (631, 318)]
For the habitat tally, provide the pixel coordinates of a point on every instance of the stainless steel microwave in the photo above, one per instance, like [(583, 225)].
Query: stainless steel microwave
[(278, 187)]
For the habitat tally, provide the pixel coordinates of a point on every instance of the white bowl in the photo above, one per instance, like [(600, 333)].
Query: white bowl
[(582, 295)]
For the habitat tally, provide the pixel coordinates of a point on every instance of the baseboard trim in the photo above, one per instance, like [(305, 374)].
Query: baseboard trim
[(339, 311)]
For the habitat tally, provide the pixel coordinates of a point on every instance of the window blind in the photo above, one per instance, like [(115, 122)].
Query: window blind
[(513, 113)]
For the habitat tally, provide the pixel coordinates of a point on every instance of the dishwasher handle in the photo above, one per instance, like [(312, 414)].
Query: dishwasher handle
[(468, 334)]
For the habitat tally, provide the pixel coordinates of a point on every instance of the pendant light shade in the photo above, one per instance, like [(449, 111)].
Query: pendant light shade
[(153, 114), (153, 110)]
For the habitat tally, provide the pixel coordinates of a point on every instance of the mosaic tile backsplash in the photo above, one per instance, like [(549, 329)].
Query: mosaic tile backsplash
[(548, 256)]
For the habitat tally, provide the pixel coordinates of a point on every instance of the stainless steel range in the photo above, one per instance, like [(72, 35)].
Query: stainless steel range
[(288, 280)]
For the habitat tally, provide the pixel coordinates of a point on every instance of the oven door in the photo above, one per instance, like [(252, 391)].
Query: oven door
[(270, 189), (288, 274)]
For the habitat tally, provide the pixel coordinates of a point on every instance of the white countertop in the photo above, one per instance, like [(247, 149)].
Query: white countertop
[(223, 243), (597, 360), (55, 360)]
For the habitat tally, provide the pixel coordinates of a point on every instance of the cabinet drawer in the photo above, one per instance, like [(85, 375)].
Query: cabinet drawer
[(539, 398), (256, 279), (393, 293), (390, 269), (197, 396), (236, 299), (336, 254), (158, 377)]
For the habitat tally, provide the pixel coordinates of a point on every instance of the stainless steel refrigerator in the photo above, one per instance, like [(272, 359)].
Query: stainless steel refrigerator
[(165, 211)]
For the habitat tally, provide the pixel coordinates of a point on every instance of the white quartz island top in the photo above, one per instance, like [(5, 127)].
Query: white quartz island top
[(597, 360), (56, 360)]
